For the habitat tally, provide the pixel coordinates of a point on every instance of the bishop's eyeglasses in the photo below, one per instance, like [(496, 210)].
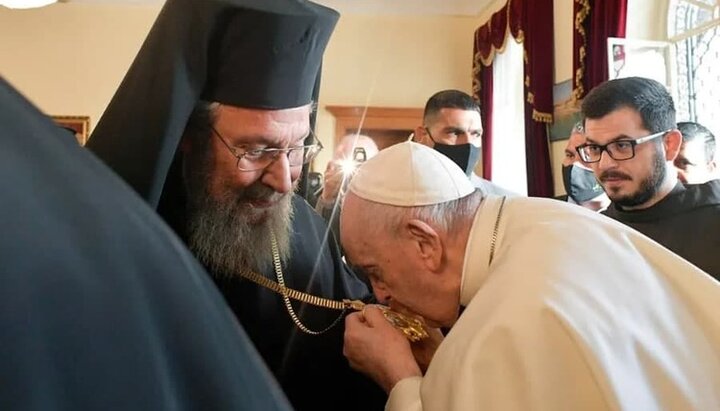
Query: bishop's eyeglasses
[(260, 158), (617, 150)]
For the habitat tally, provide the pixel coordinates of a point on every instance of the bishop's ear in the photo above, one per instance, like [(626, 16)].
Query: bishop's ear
[(426, 243)]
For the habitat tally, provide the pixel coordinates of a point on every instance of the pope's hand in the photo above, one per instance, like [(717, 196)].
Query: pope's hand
[(424, 350), (376, 348)]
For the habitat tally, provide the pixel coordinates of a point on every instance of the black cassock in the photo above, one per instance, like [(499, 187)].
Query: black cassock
[(101, 305), (686, 221)]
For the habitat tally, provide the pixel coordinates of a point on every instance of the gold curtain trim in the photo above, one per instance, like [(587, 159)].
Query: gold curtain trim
[(476, 85), (508, 33), (542, 117), (580, 17)]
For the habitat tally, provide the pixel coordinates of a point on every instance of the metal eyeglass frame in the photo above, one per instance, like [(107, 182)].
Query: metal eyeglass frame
[(313, 151)]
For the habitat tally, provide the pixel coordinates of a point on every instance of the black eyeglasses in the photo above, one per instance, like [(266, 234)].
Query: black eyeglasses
[(617, 150), (260, 158)]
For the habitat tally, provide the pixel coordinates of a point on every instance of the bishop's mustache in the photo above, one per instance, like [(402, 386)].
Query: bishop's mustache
[(258, 192), (613, 174)]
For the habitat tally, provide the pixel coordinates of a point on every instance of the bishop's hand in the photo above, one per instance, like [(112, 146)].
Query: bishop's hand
[(373, 346)]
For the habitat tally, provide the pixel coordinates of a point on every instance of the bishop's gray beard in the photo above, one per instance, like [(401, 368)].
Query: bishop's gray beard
[(229, 235)]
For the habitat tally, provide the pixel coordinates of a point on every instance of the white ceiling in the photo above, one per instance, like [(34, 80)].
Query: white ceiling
[(412, 7), (447, 7)]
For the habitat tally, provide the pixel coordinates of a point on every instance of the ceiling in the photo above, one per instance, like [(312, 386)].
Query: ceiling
[(447, 7), (407, 7)]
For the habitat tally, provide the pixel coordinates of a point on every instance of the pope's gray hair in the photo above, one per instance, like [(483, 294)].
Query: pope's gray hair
[(446, 217)]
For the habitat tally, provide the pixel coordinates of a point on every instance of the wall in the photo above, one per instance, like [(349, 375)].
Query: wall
[(69, 58), (393, 61), (647, 19)]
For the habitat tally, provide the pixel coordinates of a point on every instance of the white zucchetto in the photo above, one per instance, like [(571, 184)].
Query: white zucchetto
[(409, 175)]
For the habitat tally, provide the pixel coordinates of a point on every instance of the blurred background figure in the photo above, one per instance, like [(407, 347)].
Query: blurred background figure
[(351, 151), (696, 160), (581, 186)]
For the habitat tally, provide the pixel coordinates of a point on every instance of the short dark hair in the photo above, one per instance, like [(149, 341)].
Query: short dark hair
[(449, 99), (648, 97), (693, 131)]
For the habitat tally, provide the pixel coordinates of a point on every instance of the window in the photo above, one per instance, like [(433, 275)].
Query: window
[(508, 149), (693, 29)]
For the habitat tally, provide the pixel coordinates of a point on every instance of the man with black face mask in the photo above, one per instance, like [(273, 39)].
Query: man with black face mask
[(581, 186), (452, 126)]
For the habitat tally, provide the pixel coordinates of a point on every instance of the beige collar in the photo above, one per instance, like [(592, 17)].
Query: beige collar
[(477, 251)]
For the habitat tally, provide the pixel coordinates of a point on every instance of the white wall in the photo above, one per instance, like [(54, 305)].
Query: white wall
[(393, 61), (69, 58)]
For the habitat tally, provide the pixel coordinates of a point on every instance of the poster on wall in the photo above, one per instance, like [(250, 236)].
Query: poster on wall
[(641, 58)]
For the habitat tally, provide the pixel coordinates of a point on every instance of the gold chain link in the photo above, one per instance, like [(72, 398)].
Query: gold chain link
[(495, 231)]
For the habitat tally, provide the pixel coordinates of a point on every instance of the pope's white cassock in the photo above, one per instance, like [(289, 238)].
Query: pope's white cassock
[(574, 312)]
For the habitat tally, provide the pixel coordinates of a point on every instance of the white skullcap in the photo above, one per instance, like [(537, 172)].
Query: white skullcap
[(408, 175)]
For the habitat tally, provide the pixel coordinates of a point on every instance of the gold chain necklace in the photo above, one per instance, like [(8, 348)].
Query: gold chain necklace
[(337, 305), (413, 328), (495, 231)]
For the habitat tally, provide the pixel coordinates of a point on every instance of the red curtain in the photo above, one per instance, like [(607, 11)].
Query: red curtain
[(595, 21), (530, 22), (486, 100), (539, 65)]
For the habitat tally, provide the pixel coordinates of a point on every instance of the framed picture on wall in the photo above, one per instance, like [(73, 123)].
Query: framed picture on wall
[(650, 59), (80, 125), (566, 112)]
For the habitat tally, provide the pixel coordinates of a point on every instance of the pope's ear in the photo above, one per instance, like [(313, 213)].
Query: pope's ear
[(672, 142), (426, 243)]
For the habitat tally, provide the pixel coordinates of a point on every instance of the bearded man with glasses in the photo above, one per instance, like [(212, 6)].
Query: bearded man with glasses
[(212, 126), (631, 140)]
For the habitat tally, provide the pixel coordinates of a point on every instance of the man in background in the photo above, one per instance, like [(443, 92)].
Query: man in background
[(550, 322), (211, 126), (351, 151), (102, 306), (695, 162), (631, 143), (581, 186), (452, 126)]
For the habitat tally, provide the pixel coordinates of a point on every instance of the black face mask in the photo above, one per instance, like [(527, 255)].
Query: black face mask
[(466, 156), (580, 184)]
